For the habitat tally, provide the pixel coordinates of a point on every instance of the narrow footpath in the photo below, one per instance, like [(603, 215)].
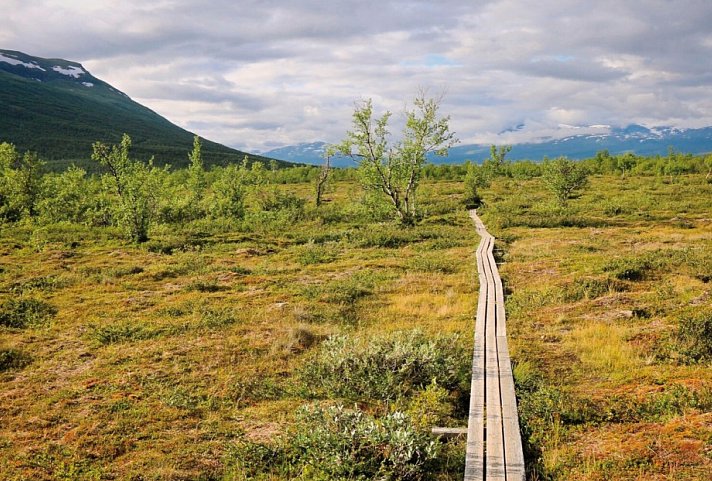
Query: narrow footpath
[(494, 442)]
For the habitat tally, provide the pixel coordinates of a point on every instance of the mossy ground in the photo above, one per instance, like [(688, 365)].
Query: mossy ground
[(156, 363)]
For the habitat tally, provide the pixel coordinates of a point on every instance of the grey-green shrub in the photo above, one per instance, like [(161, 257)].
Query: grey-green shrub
[(386, 367), (339, 444)]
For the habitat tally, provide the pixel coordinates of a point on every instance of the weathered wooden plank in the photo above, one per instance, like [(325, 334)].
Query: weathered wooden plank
[(494, 451), (514, 454), (448, 432), (494, 447), (474, 456), (499, 295)]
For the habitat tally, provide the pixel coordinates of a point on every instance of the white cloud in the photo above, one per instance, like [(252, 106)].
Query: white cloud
[(258, 73)]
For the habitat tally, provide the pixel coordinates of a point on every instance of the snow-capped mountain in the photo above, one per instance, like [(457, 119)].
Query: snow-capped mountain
[(58, 109), (311, 153), (50, 70), (632, 138)]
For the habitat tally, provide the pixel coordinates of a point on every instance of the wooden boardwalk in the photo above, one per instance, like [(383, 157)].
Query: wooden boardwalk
[(494, 443)]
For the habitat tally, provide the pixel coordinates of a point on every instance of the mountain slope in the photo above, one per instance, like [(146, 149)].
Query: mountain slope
[(633, 138), (57, 108)]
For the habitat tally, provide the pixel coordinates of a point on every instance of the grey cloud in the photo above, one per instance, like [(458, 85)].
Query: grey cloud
[(571, 70), (259, 73)]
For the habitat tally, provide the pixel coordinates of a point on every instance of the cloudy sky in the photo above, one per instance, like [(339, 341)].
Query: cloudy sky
[(259, 74)]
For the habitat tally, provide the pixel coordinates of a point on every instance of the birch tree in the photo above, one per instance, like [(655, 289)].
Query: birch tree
[(395, 169)]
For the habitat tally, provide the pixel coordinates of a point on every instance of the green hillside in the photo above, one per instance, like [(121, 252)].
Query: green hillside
[(57, 108)]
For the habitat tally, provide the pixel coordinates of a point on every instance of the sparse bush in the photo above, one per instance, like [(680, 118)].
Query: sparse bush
[(312, 253), (475, 179), (386, 367), (345, 291), (591, 288), (13, 359), (629, 268), (430, 407), (25, 312), (121, 332), (295, 340), (613, 208), (217, 318), (432, 264), (204, 286), (123, 271), (135, 183), (179, 242), (240, 271), (389, 236), (563, 177), (271, 198), (42, 283), (695, 336)]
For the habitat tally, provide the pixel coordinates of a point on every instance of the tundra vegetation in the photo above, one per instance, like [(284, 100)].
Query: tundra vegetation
[(217, 324)]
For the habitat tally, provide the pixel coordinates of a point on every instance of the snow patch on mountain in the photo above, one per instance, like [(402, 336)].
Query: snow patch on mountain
[(70, 71), (87, 84), (14, 61)]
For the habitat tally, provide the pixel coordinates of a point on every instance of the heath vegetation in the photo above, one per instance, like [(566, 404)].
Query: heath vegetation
[(254, 322)]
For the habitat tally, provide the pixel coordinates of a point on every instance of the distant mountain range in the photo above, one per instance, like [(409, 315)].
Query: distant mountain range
[(58, 109), (633, 138)]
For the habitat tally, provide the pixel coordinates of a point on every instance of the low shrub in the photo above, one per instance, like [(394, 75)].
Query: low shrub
[(694, 336), (387, 367), (390, 236), (629, 268), (213, 318), (240, 271), (204, 286), (313, 253), (335, 443), (121, 332), (25, 312), (432, 264), (345, 291), (42, 283), (12, 359), (123, 271), (591, 288)]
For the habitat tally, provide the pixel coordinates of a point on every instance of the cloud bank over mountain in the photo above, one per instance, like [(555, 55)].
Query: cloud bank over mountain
[(260, 74)]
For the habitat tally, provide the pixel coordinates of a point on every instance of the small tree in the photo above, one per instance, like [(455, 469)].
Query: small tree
[(496, 163), (8, 157), (228, 193), (395, 170), (475, 178), (67, 197), (625, 163), (323, 176), (563, 177), (20, 183), (708, 165), (29, 182), (136, 184), (196, 180)]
